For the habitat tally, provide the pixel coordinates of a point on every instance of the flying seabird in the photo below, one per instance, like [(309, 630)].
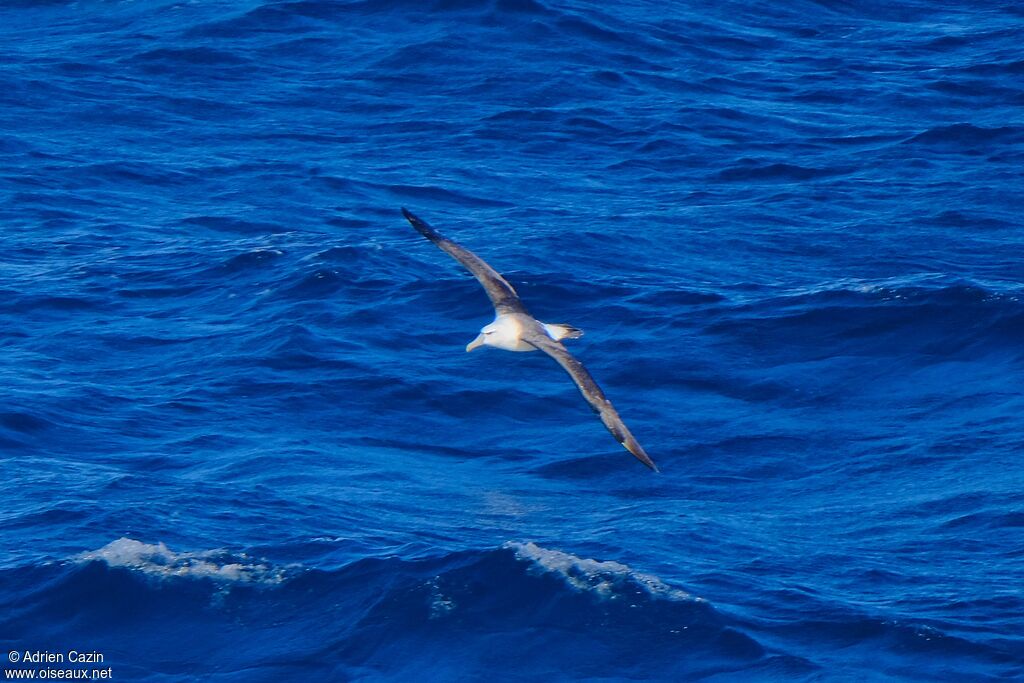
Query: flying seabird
[(514, 329)]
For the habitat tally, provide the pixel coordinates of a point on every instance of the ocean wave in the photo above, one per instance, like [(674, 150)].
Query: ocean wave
[(589, 614), (485, 583), (232, 224), (937, 319), (602, 580), (779, 172), (300, 16), (605, 579), (250, 260), (445, 578), (159, 561), (526, 594), (964, 137)]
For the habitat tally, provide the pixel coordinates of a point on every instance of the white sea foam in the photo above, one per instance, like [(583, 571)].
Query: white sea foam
[(441, 604), (606, 579), (159, 560)]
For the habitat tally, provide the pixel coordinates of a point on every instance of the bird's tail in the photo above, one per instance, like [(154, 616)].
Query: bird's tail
[(559, 331)]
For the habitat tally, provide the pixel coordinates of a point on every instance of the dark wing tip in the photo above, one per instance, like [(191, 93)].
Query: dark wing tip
[(420, 225), (642, 456), (416, 221), (412, 218)]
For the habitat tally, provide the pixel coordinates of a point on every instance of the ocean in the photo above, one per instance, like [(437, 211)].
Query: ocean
[(241, 439)]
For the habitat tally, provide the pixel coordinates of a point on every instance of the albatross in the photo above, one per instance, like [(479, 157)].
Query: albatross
[(514, 329)]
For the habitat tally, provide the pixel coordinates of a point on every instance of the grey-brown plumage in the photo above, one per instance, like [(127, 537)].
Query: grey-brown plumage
[(502, 295), (514, 329)]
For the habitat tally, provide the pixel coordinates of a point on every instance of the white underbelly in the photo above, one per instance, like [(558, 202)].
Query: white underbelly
[(514, 345), (506, 334)]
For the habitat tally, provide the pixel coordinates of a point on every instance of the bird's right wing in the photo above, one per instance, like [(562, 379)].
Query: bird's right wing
[(588, 387), (502, 295)]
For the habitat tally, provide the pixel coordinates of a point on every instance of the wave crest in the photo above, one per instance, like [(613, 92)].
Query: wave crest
[(158, 560), (607, 579)]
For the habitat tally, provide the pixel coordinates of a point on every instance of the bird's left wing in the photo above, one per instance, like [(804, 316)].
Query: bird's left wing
[(498, 289), (588, 387)]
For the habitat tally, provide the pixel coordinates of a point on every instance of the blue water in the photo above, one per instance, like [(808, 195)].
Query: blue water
[(241, 441)]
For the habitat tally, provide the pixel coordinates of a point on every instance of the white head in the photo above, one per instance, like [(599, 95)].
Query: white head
[(503, 333), (485, 338)]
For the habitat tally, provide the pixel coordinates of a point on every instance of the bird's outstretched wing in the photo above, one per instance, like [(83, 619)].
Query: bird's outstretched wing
[(502, 295), (588, 387)]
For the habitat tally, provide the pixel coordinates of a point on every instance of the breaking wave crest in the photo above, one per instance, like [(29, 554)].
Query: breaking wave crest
[(370, 611), (158, 560), (606, 579)]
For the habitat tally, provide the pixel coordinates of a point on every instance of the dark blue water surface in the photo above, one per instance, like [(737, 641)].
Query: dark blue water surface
[(241, 440)]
